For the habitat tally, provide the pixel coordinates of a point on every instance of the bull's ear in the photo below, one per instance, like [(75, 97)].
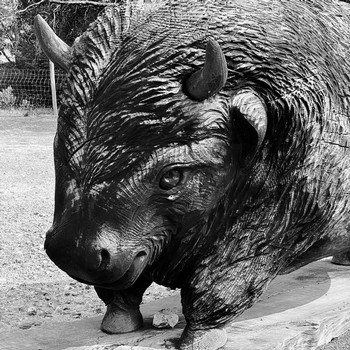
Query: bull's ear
[(248, 121), (54, 48)]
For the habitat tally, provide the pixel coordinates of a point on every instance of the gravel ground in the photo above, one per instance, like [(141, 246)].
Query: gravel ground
[(32, 289)]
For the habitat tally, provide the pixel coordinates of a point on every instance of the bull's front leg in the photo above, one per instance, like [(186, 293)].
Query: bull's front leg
[(203, 339), (123, 307), (204, 325), (342, 258), (213, 297)]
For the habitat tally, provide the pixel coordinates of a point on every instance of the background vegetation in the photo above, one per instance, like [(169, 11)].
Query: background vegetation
[(68, 18), (24, 74)]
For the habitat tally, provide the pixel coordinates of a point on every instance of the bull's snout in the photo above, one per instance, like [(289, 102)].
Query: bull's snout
[(96, 262)]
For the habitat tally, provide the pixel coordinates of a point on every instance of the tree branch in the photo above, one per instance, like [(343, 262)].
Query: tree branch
[(83, 2), (6, 56), (68, 2), (30, 6)]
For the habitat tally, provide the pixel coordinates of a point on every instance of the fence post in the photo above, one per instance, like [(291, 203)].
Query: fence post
[(53, 88)]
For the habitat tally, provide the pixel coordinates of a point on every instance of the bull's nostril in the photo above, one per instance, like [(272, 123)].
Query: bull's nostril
[(140, 254), (140, 257), (105, 259)]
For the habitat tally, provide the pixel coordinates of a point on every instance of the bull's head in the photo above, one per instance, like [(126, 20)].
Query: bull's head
[(144, 151)]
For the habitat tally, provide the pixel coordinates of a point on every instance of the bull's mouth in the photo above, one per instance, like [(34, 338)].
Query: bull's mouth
[(122, 282)]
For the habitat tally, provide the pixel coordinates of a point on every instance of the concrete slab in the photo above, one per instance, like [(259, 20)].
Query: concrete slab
[(302, 310)]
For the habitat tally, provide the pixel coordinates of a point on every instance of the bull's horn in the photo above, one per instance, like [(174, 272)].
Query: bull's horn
[(212, 77), (54, 48)]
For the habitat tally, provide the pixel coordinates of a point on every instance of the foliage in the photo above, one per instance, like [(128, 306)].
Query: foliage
[(7, 27), (7, 98), (68, 18), (68, 21)]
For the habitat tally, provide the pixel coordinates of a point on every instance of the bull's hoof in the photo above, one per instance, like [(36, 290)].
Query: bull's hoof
[(117, 320), (210, 339), (341, 259)]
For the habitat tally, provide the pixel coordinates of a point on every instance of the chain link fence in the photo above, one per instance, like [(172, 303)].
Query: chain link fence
[(28, 87)]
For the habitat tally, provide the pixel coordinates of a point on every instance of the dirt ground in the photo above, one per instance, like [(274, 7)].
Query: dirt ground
[(32, 289)]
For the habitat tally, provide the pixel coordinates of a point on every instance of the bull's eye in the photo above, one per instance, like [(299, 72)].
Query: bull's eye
[(170, 179)]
